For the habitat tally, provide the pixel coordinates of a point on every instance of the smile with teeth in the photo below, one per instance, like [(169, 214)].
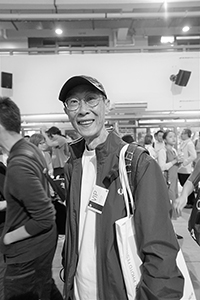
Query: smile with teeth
[(86, 122)]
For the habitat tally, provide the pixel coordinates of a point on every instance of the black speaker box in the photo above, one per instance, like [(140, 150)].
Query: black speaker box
[(6, 80), (182, 77)]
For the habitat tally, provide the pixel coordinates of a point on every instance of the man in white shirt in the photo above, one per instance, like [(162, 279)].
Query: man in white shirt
[(187, 149)]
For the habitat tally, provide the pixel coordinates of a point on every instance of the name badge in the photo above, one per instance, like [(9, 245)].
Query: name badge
[(98, 199)]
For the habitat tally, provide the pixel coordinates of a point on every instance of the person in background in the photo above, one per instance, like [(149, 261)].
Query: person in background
[(128, 138), (29, 236), (3, 205), (188, 188), (148, 141), (60, 149), (159, 143), (187, 151), (169, 162), (92, 268), (38, 140), (197, 148), (27, 138)]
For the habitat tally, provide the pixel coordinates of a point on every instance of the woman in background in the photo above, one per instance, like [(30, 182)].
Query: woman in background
[(169, 162), (38, 140)]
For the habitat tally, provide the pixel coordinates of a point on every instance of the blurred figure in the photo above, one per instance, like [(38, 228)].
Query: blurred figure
[(39, 140), (3, 206), (27, 138), (128, 138), (187, 151), (148, 144), (188, 188), (197, 148), (60, 149), (159, 143), (169, 161)]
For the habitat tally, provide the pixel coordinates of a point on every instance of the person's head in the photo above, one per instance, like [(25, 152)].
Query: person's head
[(27, 138), (38, 140), (148, 139), (10, 117), (160, 136), (169, 137), (186, 134), (85, 102), (52, 131), (128, 138)]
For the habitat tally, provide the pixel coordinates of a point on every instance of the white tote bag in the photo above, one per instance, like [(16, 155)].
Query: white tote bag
[(125, 232)]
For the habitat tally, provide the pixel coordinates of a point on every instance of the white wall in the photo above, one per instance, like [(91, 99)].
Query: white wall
[(142, 77)]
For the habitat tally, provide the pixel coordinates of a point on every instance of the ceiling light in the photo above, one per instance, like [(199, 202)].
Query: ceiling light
[(191, 37), (185, 28), (167, 39), (58, 31)]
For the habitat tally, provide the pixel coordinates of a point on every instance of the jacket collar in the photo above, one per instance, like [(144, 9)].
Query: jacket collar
[(102, 150)]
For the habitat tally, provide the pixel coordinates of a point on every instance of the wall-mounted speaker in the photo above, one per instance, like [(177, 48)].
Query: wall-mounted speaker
[(6, 80), (181, 78)]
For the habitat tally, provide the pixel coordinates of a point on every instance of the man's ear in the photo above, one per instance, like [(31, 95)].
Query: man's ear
[(107, 105), (65, 110)]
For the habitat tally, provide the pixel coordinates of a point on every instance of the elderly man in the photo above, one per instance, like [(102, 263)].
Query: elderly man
[(91, 258)]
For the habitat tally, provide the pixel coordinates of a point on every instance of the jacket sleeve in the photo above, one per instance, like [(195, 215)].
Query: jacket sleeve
[(156, 240)]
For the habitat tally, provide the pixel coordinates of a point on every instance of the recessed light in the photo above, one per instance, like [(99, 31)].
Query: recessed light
[(58, 31), (185, 28)]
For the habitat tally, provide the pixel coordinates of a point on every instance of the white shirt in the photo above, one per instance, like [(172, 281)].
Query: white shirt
[(189, 154), (86, 277)]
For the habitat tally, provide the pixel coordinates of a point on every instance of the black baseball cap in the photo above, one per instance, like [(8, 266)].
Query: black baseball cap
[(79, 80)]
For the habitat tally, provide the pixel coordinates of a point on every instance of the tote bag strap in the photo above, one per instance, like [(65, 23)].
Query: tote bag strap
[(124, 180)]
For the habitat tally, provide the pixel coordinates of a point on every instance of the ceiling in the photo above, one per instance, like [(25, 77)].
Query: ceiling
[(96, 23), (101, 24)]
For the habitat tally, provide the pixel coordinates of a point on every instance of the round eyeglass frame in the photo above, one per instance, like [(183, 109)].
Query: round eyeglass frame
[(87, 102)]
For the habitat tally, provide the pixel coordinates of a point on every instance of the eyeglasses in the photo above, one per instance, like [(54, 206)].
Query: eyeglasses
[(73, 103)]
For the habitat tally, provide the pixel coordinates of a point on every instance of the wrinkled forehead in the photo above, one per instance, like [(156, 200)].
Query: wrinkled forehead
[(83, 90)]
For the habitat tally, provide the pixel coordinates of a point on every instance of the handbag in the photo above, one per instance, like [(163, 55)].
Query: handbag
[(129, 258), (194, 219), (125, 233)]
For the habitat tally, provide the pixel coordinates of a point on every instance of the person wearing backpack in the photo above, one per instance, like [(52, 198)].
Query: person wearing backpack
[(94, 202)]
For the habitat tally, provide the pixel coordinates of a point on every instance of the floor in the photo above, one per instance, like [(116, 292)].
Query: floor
[(191, 252)]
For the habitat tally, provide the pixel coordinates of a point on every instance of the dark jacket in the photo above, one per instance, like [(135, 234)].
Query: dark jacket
[(157, 243), (28, 203)]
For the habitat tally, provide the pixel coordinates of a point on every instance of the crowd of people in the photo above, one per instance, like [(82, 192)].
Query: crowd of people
[(94, 202)]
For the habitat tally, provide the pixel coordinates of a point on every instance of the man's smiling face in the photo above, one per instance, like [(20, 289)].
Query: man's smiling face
[(88, 121)]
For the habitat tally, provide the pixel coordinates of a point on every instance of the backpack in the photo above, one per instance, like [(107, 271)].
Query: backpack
[(132, 157)]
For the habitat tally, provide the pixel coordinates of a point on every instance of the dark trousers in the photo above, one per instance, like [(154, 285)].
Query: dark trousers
[(34, 277), (182, 179)]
